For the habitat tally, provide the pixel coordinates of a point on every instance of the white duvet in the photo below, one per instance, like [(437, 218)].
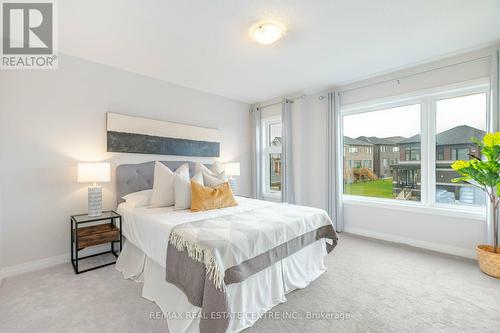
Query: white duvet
[(149, 228)]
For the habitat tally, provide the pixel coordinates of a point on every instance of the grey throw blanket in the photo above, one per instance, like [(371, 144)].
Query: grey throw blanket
[(205, 256)]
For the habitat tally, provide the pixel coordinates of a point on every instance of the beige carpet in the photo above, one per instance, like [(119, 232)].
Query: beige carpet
[(382, 287)]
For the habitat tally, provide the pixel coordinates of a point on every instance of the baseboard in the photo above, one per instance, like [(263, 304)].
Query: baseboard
[(456, 251), (35, 265), (64, 258)]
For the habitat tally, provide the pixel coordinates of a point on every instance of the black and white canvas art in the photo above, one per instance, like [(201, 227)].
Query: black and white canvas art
[(129, 134)]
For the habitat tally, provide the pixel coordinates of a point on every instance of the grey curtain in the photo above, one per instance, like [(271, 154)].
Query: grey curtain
[(494, 123), (256, 115), (287, 186), (334, 158)]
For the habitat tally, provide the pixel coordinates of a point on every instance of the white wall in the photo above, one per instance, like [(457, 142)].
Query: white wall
[(51, 120), (446, 71), (452, 234)]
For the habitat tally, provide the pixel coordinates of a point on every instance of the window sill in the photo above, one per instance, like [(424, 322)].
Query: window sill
[(472, 213)]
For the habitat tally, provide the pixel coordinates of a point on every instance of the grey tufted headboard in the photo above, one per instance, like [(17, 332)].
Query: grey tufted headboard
[(137, 177)]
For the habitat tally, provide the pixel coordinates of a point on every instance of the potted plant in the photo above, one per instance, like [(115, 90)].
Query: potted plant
[(485, 174)]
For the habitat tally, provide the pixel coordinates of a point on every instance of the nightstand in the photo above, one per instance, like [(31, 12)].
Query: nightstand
[(89, 231)]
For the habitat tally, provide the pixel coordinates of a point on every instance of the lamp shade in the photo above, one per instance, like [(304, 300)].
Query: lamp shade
[(232, 169), (94, 172)]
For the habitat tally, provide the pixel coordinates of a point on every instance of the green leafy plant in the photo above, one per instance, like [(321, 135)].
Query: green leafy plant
[(484, 174)]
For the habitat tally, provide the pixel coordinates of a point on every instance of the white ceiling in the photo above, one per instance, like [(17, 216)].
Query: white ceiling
[(204, 44)]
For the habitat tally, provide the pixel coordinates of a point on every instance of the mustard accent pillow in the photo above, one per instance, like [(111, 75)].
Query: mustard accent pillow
[(205, 198)]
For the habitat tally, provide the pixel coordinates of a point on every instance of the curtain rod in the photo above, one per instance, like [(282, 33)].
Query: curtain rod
[(415, 74), (291, 99)]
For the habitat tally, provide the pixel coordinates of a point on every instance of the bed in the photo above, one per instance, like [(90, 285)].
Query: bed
[(247, 279)]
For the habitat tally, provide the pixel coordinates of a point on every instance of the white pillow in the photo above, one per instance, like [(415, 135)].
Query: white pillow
[(213, 181), (138, 199), (198, 177), (218, 167), (163, 187), (181, 176), (214, 176), (183, 188), (215, 170)]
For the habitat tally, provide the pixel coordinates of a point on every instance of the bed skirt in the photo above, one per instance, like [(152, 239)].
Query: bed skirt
[(247, 300)]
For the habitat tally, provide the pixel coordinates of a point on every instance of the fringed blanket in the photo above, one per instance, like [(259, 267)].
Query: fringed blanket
[(204, 256)]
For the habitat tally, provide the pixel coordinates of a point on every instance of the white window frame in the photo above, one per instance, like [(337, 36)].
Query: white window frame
[(267, 150), (427, 99)]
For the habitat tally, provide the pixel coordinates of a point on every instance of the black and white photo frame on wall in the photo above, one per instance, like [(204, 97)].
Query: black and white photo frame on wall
[(130, 134)]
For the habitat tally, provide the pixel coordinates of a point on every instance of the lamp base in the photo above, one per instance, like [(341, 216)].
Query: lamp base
[(95, 201), (232, 184)]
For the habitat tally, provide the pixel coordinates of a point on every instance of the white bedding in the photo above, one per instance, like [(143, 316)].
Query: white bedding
[(149, 228), (247, 300)]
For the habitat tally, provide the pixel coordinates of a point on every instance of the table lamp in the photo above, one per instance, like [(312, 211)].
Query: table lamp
[(232, 170), (94, 173)]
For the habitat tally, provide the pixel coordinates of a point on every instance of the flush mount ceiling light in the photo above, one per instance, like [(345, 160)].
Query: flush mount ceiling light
[(267, 32)]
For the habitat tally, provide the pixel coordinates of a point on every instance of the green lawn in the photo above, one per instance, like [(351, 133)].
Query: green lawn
[(381, 188)]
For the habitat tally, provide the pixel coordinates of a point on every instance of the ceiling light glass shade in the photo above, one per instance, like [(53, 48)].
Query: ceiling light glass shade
[(267, 32)]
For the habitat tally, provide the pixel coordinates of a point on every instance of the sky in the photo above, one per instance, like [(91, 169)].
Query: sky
[(275, 131), (405, 121)]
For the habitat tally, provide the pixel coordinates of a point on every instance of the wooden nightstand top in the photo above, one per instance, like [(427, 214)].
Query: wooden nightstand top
[(83, 218)]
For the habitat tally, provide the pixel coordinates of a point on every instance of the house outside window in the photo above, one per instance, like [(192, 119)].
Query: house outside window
[(435, 129), (358, 162), (468, 113)]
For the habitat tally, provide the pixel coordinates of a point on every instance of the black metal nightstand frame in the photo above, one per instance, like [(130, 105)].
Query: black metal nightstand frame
[(74, 239)]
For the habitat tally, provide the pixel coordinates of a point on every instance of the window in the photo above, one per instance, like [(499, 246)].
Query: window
[(272, 156), (353, 150), (460, 154), (429, 133), (412, 153), (275, 173), (275, 134), (457, 120), (400, 181), (440, 153)]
